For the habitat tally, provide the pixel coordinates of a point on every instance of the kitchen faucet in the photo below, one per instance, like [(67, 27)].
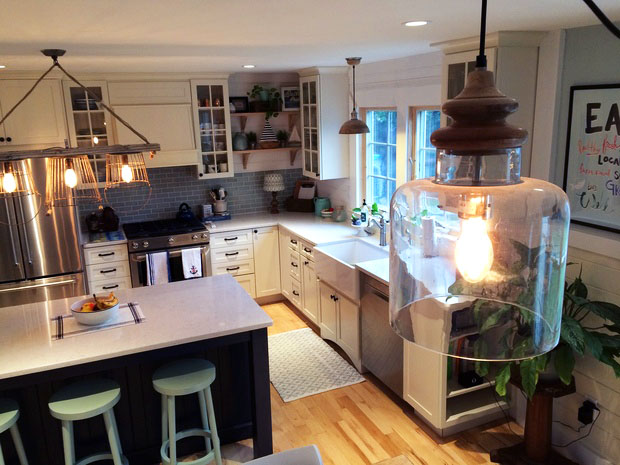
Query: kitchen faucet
[(381, 225)]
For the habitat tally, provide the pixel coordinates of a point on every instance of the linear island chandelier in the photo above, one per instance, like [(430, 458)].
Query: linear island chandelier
[(69, 173)]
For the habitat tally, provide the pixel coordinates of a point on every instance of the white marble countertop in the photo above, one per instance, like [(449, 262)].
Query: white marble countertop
[(378, 269), (175, 313), (308, 226)]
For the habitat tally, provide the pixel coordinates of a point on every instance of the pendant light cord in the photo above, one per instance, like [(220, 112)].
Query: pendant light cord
[(481, 59), (354, 102), (603, 18)]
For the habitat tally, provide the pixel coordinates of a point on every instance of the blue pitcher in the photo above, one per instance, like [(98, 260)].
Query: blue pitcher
[(321, 203)]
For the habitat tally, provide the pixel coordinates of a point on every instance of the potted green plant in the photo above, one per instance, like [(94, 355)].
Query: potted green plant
[(282, 137), (267, 100), (578, 336), (252, 139)]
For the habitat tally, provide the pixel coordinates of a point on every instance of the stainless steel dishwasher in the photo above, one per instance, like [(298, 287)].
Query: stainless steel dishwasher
[(382, 348)]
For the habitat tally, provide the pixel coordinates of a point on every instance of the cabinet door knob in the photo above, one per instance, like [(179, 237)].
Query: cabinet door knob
[(306, 262), (9, 139), (256, 231), (1, 139)]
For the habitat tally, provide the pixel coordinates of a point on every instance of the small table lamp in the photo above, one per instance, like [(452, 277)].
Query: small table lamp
[(274, 183)]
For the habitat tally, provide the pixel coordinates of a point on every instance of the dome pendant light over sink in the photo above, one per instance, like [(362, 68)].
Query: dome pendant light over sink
[(478, 254), (354, 125)]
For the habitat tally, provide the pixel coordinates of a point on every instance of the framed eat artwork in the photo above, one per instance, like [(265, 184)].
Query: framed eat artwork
[(592, 164)]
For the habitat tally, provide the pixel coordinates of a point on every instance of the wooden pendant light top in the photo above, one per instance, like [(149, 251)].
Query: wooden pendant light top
[(479, 119)]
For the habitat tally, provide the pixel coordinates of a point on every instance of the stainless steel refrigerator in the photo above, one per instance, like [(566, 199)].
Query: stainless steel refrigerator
[(40, 259)]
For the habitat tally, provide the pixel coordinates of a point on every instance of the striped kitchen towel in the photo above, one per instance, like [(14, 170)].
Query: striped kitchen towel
[(64, 326)]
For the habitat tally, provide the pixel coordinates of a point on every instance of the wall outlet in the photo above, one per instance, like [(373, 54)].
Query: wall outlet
[(585, 414)]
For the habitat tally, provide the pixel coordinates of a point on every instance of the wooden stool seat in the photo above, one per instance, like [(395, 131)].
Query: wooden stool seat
[(183, 377), (83, 400), (9, 414)]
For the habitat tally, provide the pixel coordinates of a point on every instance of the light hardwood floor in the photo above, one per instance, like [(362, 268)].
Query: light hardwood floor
[(362, 424)]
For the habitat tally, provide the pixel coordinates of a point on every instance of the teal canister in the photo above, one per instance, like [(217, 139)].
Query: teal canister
[(240, 141), (321, 203)]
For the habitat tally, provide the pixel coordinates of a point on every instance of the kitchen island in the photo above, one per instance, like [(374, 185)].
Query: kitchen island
[(213, 318)]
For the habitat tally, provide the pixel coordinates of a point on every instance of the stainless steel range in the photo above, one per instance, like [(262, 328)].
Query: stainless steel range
[(172, 236)]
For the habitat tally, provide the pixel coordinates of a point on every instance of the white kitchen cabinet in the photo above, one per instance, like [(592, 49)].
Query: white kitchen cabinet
[(247, 283), (328, 316), (339, 320), (267, 261), (310, 290), (294, 265), (513, 57), (296, 293), (212, 128), (170, 125), (39, 121), (324, 107), (286, 281), (107, 268), (149, 92)]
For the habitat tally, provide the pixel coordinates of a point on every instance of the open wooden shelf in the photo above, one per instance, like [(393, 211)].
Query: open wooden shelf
[(246, 153), (293, 118), (455, 389), (263, 113)]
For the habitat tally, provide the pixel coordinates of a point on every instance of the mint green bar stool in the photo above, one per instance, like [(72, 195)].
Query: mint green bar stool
[(9, 414), (83, 400), (180, 378)]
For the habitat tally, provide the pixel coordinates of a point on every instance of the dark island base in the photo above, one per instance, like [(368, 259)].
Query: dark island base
[(240, 395)]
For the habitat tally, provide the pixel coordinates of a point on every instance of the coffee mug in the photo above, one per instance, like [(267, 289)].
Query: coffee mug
[(222, 167)]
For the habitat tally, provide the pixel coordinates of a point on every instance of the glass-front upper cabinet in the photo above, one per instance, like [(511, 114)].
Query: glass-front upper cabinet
[(212, 128), (310, 125), (89, 124)]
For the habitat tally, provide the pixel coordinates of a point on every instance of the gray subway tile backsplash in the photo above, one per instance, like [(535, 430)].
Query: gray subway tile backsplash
[(172, 186)]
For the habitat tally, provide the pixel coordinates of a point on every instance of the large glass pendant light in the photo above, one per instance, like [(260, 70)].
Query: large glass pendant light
[(478, 253), (354, 125)]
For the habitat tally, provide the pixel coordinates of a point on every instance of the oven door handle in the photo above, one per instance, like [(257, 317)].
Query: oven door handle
[(172, 253)]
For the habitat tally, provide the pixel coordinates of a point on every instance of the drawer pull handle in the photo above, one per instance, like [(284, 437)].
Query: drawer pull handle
[(108, 271), (231, 254), (295, 293), (232, 268), (293, 242), (107, 254), (294, 264), (231, 238), (306, 249), (113, 286)]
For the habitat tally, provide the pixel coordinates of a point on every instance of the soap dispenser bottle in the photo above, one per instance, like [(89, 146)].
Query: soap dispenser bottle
[(365, 213)]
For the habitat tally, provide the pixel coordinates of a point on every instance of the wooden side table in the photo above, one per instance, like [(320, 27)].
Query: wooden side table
[(536, 447)]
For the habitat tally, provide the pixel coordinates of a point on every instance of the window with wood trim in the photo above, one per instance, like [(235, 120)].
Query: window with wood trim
[(380, 156)]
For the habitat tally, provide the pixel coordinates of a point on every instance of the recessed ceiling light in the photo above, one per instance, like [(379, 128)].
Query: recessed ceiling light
[(415, 23), (249, 66), (2, 66)]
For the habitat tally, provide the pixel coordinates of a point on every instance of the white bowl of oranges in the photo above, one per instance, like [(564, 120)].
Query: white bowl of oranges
[(96, 310)]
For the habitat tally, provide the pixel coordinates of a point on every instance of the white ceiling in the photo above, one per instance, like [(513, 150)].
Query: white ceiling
[(275, 35)]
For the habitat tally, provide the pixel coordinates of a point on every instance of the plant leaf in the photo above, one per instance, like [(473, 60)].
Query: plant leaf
[(605, 310), (608, 358), (502, 378), (607, 340), (572, 334), (578, 288), (564, 362), (613, 328), (495, 318), (529, 376), (482, 369), (541, 362), (593, 344)]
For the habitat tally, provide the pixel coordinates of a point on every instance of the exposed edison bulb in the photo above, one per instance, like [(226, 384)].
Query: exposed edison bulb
[(474, 251), (126, 174), (95, 140), (9, 184), (70, 178)]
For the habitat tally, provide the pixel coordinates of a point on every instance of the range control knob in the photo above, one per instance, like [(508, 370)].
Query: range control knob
[(195, 236), (145, 244), (205, 236), (170, 240), (135, 245)]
